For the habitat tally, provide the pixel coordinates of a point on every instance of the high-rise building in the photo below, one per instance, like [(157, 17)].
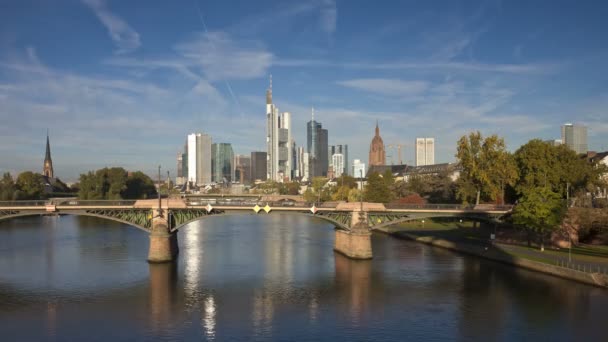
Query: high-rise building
[(242, 168), (358, 168), (258, 166), (222, 161), (575, 137), (179, 179), (199, 158), (343, 150), (317, 148), (305, 166), (377, 154), (278, 138), (425, 151), (338, 164), (47, 169), (554, 142)]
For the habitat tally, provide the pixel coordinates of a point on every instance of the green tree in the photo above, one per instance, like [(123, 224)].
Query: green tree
[(309, 195), (504, 172), (139, 185), (291, 188), (540, 210), (30, 185), (377, 189), (354, 195), (476, 156), (7, 187)]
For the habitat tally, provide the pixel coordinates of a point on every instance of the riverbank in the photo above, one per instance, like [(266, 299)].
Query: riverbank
[(501, 253)]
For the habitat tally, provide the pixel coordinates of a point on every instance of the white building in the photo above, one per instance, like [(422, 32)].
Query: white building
[(305, 166), (337, 161), (278, 135), (358, 168), (199, 158), (425, 151)]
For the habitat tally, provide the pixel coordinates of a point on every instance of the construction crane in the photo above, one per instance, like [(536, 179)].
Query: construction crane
[(398, 146)]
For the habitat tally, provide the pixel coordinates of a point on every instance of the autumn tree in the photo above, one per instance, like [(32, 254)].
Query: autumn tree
[(377, 189), (481, 159), (30, 185)]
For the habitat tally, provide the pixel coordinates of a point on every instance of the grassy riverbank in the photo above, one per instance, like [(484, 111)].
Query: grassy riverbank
[(474, 238)]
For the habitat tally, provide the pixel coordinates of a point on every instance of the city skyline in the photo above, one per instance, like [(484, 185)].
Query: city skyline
[(119, 90)]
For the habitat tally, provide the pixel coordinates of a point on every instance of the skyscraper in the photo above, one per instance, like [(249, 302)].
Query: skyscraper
[(222, 159), (343, 150), (199, 158), (338, 164), (425, 151), (278, 138), (575, 137), (377, 154), (47, 169), (258, 166), (317, 148), (242, 168)]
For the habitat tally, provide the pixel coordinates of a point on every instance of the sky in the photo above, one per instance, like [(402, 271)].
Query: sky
[(122, 82)]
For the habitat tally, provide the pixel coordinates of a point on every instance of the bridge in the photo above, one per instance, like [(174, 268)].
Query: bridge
[(162, 218)]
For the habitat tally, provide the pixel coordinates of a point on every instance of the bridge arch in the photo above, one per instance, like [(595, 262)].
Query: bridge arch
[(491, 219)]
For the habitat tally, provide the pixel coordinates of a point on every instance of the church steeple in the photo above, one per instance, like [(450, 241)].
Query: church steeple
[(47, 170), (377, 129)]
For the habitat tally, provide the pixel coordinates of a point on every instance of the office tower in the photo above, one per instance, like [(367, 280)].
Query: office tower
[(258, 166), (242, 168), (425, 151), (222, 159), (377, 154), (317, 148), (358, 168), (179, 179), (343, 150), (199, 158), (301, 163), (278, 138), (338, 164), (575, 137), (306, 167), (295, 161)]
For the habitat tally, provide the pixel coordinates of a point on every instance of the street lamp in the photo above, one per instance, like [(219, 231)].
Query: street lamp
[(361, 190)]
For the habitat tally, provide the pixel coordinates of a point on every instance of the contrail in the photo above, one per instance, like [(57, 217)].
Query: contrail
[(234, 98)]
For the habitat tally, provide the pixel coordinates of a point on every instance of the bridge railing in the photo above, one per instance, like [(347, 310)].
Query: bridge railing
[(23, 203), (96, 203), (439, 206), (249, 203)]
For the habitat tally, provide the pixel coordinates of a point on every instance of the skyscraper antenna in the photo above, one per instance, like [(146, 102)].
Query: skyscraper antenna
[(270, 82), (313, 114)]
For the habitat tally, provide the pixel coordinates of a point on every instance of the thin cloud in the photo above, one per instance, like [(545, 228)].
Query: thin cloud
[(329, 16), (125, 37), (391, 87)]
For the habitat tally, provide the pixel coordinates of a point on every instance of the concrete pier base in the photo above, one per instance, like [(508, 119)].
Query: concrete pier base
[(355, 245), (163, 242)]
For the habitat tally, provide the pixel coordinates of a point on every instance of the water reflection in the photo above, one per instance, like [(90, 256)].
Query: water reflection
[(270, 277)]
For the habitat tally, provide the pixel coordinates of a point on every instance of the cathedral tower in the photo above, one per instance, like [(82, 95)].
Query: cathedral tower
[(47, 170), (377, 155)]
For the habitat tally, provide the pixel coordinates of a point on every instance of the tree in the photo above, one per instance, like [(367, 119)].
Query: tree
[(7, 187), (377, 189), (477, 157), (541, 164), (30, 185), (115, 183), (504, 173), (540, 210), (290, 188), (139, 185)]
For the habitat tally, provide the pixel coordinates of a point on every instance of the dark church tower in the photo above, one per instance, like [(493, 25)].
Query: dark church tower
[(48, 163)]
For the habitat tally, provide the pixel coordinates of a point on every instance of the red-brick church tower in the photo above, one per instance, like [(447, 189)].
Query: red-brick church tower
[(377, 155)]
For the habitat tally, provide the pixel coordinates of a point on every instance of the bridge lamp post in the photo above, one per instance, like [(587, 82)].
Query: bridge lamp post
[(361, 190), (160, 213)]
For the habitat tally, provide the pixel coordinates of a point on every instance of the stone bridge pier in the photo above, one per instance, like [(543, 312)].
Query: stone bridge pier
[(356, 243), (163, 242)]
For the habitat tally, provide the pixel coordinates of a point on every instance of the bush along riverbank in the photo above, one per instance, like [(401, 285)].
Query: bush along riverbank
[(592, 274)]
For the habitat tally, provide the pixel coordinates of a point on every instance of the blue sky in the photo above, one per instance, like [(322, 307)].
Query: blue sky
[(121, 83)]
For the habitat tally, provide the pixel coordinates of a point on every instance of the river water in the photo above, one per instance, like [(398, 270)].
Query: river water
[(270, 277)]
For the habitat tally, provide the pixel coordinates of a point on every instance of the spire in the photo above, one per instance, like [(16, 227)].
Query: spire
[(47, 156), (313, 114), (377, 129), (269, 92)]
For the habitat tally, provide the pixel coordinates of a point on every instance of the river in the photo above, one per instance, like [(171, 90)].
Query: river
[(270, 277)]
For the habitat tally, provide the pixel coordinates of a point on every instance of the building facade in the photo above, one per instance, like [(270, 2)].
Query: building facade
[(222, 163), (377, 153), (317, 148), (278, 138), (258, 166), (338, 164), (242, 169), (575, 137), (358, 169), (199, 158), (343, 150), (425, 151)]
